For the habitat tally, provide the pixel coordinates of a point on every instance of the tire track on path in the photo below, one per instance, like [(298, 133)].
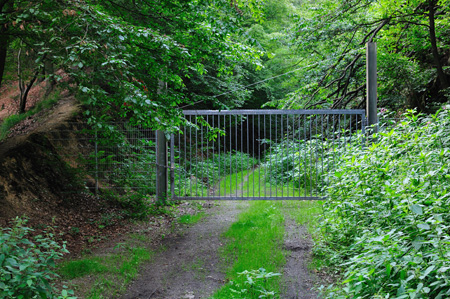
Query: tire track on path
[(189, 267)]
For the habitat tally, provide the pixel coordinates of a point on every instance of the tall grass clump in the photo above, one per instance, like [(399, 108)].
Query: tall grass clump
[(386, 222)]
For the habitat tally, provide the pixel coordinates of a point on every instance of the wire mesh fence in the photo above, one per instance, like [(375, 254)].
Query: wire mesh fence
[(113, 156)]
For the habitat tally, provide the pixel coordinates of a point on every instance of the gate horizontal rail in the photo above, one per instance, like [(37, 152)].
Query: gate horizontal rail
[(259, 154)]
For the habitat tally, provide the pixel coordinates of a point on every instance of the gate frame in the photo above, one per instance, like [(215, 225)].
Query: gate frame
[(360, 112)]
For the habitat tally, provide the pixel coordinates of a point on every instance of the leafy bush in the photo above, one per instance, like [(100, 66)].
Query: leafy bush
[(386, 223), (296, 162), (27, 265)]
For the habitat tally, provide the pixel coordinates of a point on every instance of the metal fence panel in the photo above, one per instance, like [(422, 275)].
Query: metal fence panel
[(258, 154)]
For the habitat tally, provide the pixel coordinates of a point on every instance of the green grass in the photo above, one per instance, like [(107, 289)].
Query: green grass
[(305, 212), (110, 273), (258, 186), (80, 268), (230, 183), (254, 241), (191, 219)]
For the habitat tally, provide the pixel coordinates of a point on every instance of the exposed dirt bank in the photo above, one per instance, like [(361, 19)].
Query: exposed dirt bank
[(37, 182)]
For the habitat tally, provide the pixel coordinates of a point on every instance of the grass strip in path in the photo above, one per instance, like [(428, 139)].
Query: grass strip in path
[(254, 242)]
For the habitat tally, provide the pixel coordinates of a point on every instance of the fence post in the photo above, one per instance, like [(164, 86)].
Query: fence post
[(371, 86), (161, 167)]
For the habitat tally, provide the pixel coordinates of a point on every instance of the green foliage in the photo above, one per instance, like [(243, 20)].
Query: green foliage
[(386, 222), (27, 264), (296, 162), (327, 38), (255, 285)]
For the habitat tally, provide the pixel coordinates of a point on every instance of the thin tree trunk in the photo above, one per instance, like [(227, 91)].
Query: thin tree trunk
[(4, 40), (51, 80), (24, 89), (3, 53), (437, 61)]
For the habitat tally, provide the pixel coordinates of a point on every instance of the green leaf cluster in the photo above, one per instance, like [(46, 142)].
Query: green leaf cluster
[(26, 264), (386, 223)]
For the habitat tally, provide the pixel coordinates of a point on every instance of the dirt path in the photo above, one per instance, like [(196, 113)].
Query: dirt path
[(297, 279), (189, 267)]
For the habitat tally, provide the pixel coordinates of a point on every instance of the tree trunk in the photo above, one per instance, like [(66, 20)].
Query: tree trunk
[(4, 39), (24, 94), (3, 52), (51, 83), (440, 72)]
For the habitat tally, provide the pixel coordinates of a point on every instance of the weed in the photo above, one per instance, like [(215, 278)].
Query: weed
[(255, 285), (27, 264), (191, 219)]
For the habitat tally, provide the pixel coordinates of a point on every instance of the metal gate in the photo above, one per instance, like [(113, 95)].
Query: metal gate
[(259, 154)]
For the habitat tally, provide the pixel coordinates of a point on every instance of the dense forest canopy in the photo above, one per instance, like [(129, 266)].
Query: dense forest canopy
[(135, 59), (325, 43), (143, 60)]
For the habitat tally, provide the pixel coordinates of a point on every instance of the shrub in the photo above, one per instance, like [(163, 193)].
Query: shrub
[(27, 265), (386, 222)]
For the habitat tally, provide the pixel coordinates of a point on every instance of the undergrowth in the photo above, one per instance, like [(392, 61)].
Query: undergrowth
[(386, 223), (27, 264)]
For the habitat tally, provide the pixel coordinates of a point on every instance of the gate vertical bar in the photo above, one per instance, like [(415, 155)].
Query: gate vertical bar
[(172, 165), (236, 145), (96, 162), (248, 159), (253, 152)]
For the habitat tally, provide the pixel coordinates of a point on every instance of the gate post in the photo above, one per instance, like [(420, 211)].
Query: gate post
[(161, 167), (371, 86)]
